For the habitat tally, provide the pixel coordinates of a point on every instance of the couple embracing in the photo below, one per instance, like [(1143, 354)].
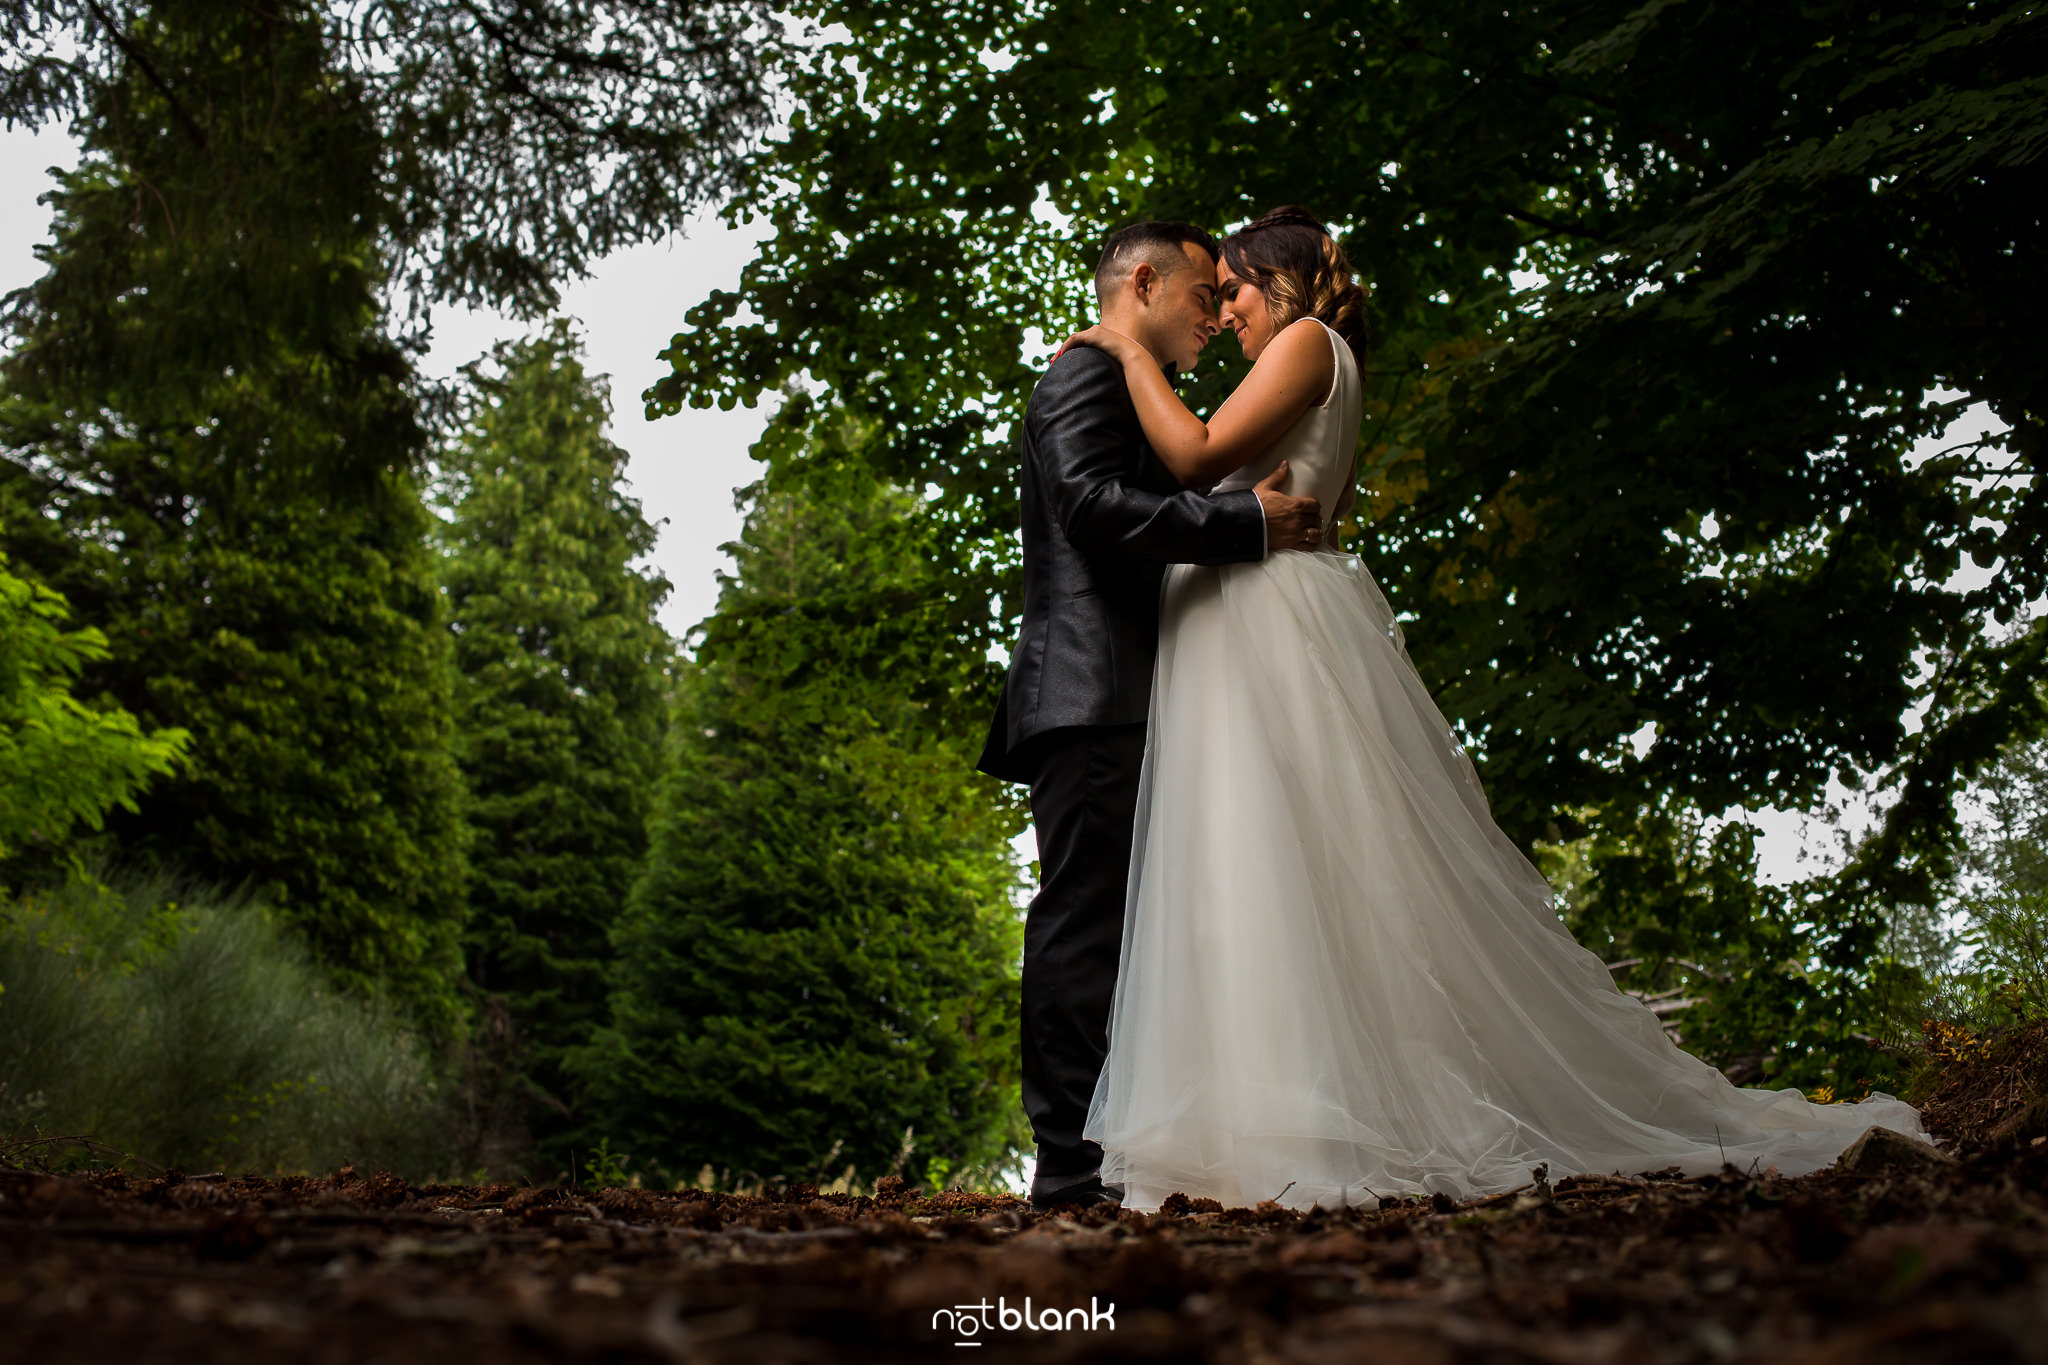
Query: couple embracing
[(1279, 948)]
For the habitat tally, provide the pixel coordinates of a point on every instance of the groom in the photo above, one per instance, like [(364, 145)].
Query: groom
[(1102, 520)]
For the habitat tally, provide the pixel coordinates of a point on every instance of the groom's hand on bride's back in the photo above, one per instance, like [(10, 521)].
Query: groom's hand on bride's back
[(1291, 523)]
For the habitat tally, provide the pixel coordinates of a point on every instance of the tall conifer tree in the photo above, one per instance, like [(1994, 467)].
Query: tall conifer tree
[(822, 952), (564, 674), (211, 451)]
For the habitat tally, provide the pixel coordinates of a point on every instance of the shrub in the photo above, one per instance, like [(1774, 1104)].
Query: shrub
[(186, 1027)]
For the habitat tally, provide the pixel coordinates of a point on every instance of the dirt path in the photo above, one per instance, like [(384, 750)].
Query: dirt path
[(1935, 1262)]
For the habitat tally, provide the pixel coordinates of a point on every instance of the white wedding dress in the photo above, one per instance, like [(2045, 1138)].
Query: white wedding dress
[(1339, 978)]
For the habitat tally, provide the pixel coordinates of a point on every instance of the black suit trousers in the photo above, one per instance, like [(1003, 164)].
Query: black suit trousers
[(1083, 802)]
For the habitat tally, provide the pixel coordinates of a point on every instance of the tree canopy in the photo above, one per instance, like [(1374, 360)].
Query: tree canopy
[(516, 142), (1665, 300), (1667, 493)]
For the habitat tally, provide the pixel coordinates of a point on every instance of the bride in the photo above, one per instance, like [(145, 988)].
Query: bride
[(1339, 978)]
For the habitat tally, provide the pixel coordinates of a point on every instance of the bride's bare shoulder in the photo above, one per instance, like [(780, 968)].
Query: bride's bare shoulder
[(1303, 341), (1299, 354)]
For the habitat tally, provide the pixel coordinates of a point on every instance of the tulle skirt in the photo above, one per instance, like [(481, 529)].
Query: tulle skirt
[(1339, 978)]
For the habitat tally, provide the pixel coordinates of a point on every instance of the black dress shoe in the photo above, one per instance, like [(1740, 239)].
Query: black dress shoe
[(1083, 1194)]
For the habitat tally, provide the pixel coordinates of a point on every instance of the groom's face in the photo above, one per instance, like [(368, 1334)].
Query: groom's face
[(1180, 310)]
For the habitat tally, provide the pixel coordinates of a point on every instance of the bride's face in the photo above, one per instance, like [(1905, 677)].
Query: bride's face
[(1243, 310)]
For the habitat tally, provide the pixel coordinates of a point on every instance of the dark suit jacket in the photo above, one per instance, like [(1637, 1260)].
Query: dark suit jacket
[(1102, 520)]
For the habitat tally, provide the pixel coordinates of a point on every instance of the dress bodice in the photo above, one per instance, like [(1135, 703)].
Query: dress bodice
[(1322, 447)]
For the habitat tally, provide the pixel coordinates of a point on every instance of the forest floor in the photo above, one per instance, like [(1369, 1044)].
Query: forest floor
[(1896, 1255)]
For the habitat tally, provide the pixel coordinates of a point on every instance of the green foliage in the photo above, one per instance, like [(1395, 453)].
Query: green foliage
[(1976, 956), (1678, 494), (2009, 956), (563, 692), (514, 143), (1739, 970), (823, 950), (62, 764), (1669, 493), (1689, 500), (187, 1028), (217, 286), (1746, 973), (606, 1169), (209, 451)]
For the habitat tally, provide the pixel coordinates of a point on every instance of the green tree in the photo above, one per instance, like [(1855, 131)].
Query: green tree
[(1669, 494), (561, 705), (62, 764), (1976, 954), (211, 448), (1739, 970), (515, 141), (822, 953)]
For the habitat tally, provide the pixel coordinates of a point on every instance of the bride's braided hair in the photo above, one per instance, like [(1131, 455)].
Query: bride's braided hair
[(1303, 273)]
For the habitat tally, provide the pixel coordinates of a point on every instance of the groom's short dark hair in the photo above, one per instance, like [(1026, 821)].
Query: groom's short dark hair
[(1156, 242)]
